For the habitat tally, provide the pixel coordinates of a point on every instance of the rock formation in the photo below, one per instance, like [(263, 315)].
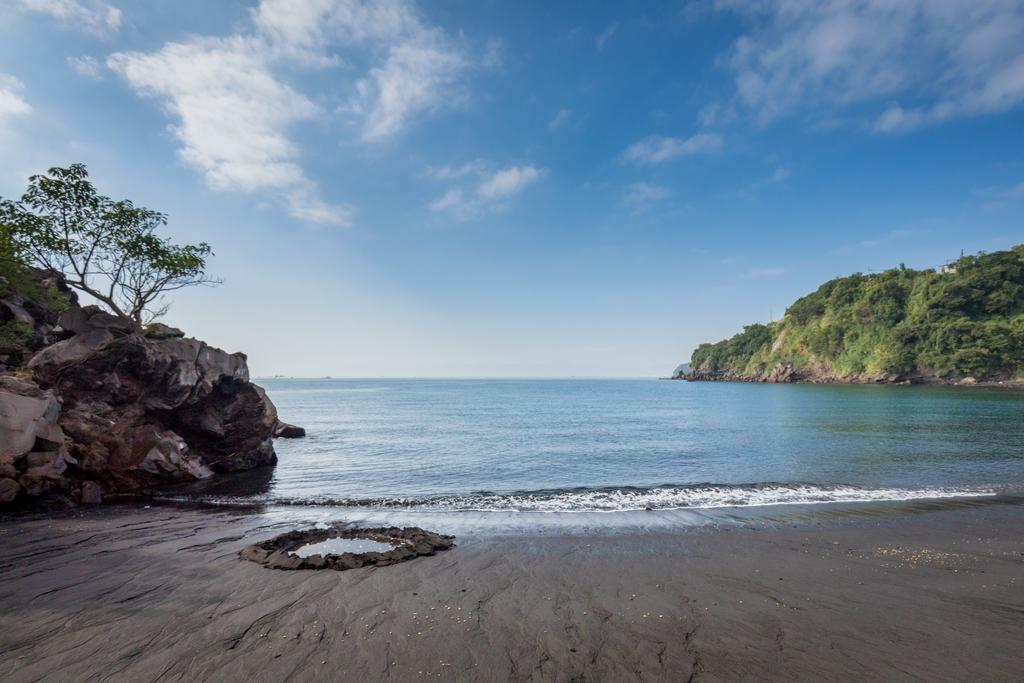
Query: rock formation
[(105, 409), (785, 373)]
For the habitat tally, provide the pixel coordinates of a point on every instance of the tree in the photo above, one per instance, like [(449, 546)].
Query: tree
[(105, 248)]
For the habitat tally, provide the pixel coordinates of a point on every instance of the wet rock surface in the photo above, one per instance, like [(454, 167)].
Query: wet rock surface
[(408, 542), (283, 430)]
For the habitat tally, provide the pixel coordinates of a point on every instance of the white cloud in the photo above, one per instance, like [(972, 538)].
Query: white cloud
[(950, 59), (509, 181), (779, 174), (93, 16), (304, 203), (233, 109), (414, 79), (474, 167), (654, 149), (11, 101), (317, 24), (560, 119), (757, 273), (490, 190), (640, 196), (86, 66), (452, 199), (420, 67)]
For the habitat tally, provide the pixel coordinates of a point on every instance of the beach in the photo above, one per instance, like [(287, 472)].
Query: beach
[(135, 593)]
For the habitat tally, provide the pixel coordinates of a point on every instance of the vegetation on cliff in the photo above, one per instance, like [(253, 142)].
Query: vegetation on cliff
[(25, 295), (108, 249), (963, 320)]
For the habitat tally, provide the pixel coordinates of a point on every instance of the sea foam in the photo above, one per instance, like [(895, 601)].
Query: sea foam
[(668, 497)]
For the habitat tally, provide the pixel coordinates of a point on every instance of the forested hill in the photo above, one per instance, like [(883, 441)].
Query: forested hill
[(962, 322)]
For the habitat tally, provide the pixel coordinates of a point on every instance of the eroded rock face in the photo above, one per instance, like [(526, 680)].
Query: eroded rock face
[(33, 447), (28, 415), (101, 408), (140, 409)]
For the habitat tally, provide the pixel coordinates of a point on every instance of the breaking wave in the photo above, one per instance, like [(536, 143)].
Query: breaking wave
[(620, 499)]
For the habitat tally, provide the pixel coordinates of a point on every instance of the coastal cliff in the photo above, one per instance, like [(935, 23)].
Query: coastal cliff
[(91, 406), (961, 323)]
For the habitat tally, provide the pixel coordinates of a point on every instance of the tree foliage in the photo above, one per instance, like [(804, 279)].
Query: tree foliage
[(965, 319), (108, 249)]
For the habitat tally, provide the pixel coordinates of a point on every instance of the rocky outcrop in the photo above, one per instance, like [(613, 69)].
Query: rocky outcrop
[(786, 373), (33, 447), (283, 430), (681, 371), (108, 409)]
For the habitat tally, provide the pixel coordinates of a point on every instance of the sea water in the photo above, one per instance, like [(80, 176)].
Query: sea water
[(338, 546), (578, 446)]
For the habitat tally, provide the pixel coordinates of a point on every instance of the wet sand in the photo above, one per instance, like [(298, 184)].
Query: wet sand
[(159, 594)]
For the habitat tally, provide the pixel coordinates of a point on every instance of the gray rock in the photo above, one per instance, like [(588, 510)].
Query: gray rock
[(139, 411), (27, 415), (91, 493), (128, 409), (169, 456), (161, 331), (283, 430), (9, 490)]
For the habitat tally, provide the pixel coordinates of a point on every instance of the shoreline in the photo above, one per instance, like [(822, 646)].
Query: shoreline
[(159, 593), (872, 381)]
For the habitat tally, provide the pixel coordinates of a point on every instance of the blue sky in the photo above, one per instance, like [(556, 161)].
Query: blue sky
[(524, 189)]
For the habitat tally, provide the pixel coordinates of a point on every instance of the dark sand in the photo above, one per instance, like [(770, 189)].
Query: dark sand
[(133, 594)]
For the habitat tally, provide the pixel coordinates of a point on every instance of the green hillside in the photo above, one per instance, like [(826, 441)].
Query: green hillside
[(965, 320)]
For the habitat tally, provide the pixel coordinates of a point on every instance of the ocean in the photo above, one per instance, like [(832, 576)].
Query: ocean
[(587, 446)]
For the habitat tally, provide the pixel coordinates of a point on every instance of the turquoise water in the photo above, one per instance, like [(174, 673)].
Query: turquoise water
[(602, 445)]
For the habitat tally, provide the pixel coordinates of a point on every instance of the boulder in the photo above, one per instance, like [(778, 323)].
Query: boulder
[(9, 490), (90, 493), (782, 373), (161, 331), (139, 410), (102, 408), (283, 430), (28, 418)]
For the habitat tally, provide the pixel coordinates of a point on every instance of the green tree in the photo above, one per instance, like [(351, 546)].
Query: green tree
[(105, 248)]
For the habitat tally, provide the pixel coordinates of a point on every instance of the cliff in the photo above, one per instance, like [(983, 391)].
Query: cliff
[(89, 407), (960, 323)]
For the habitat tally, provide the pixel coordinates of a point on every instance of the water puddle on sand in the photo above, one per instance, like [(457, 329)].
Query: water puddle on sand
[(337, 546)]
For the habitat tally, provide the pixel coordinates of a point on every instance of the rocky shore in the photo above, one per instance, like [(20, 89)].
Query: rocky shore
[(786, 373), (91, 406)]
